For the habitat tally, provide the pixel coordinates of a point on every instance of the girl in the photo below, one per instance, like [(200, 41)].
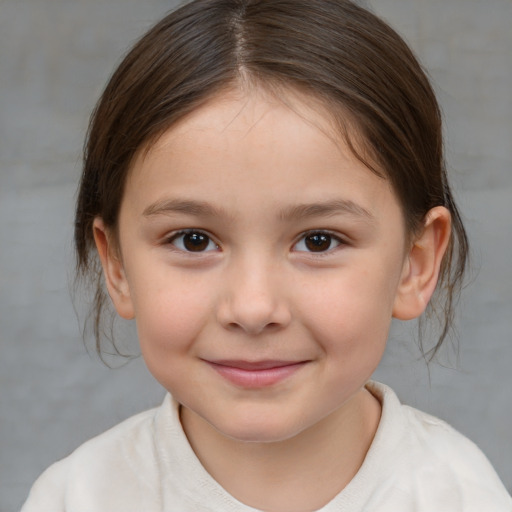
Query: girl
[(263, 191)]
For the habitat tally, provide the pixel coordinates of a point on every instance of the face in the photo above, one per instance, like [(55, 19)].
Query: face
[(262, 262)]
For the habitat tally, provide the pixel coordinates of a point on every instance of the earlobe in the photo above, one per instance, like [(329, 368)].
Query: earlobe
[(422, 265), (115, 278)]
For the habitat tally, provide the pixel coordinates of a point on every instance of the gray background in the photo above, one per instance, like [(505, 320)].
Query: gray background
[(55, 56)]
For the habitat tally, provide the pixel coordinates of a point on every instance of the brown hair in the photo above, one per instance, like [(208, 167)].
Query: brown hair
[(336, 51)]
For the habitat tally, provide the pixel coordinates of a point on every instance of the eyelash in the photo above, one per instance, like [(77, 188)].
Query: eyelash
[(322, 233), (176, 236), (205, 238)]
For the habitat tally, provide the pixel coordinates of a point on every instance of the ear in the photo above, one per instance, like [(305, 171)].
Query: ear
[(422, 265), (115, 278)]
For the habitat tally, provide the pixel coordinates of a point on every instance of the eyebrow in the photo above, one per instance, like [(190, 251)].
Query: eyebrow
[(188, 207), (327, 208), (300, 211)]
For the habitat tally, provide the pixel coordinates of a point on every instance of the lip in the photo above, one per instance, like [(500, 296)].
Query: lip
[(257, 374)]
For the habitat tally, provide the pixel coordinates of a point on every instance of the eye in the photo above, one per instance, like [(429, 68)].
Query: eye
[(317, 241), (193, 241)]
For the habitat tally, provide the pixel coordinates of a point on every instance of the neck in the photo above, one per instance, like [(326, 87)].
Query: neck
[(302, 473)]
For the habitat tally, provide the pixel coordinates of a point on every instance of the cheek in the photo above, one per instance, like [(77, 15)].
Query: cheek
[(349, 314), (169, 319)]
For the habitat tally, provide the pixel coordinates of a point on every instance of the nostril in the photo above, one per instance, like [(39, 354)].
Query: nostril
[(233, 326), (261, 312), (253, 329)]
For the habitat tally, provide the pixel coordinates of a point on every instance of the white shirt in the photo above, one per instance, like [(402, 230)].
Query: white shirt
[(416, 463)]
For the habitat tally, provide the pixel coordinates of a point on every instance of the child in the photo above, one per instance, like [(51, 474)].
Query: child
[(264, 187)]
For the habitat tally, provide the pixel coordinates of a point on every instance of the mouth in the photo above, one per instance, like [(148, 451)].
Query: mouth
[(257, 374)]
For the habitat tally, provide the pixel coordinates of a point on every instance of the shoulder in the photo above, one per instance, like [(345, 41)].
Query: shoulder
[(437, 465), (445, 444), (445, 448), (122, 457)]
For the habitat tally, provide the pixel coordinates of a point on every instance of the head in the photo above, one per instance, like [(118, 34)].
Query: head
[(331, 54)]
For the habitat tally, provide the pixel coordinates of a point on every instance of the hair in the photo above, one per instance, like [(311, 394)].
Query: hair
[(333, 50)]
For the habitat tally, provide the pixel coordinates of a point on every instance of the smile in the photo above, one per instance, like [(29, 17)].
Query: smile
[(258, 374)]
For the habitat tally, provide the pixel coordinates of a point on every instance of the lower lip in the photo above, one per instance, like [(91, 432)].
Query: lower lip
[(256, 378)]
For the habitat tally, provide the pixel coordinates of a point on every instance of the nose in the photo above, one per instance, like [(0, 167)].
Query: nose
[(254, 299)]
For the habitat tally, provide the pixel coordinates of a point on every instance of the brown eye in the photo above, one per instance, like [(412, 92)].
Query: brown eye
[(317, 242), (194, 241)]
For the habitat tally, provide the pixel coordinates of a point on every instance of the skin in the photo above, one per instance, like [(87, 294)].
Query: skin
[(254, 178)]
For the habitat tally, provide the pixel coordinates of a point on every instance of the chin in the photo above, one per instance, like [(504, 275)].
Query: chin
[(259, 430)]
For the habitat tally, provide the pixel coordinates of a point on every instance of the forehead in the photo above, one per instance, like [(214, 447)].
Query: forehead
[(242, 109), (241, 106), (286, 147)]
